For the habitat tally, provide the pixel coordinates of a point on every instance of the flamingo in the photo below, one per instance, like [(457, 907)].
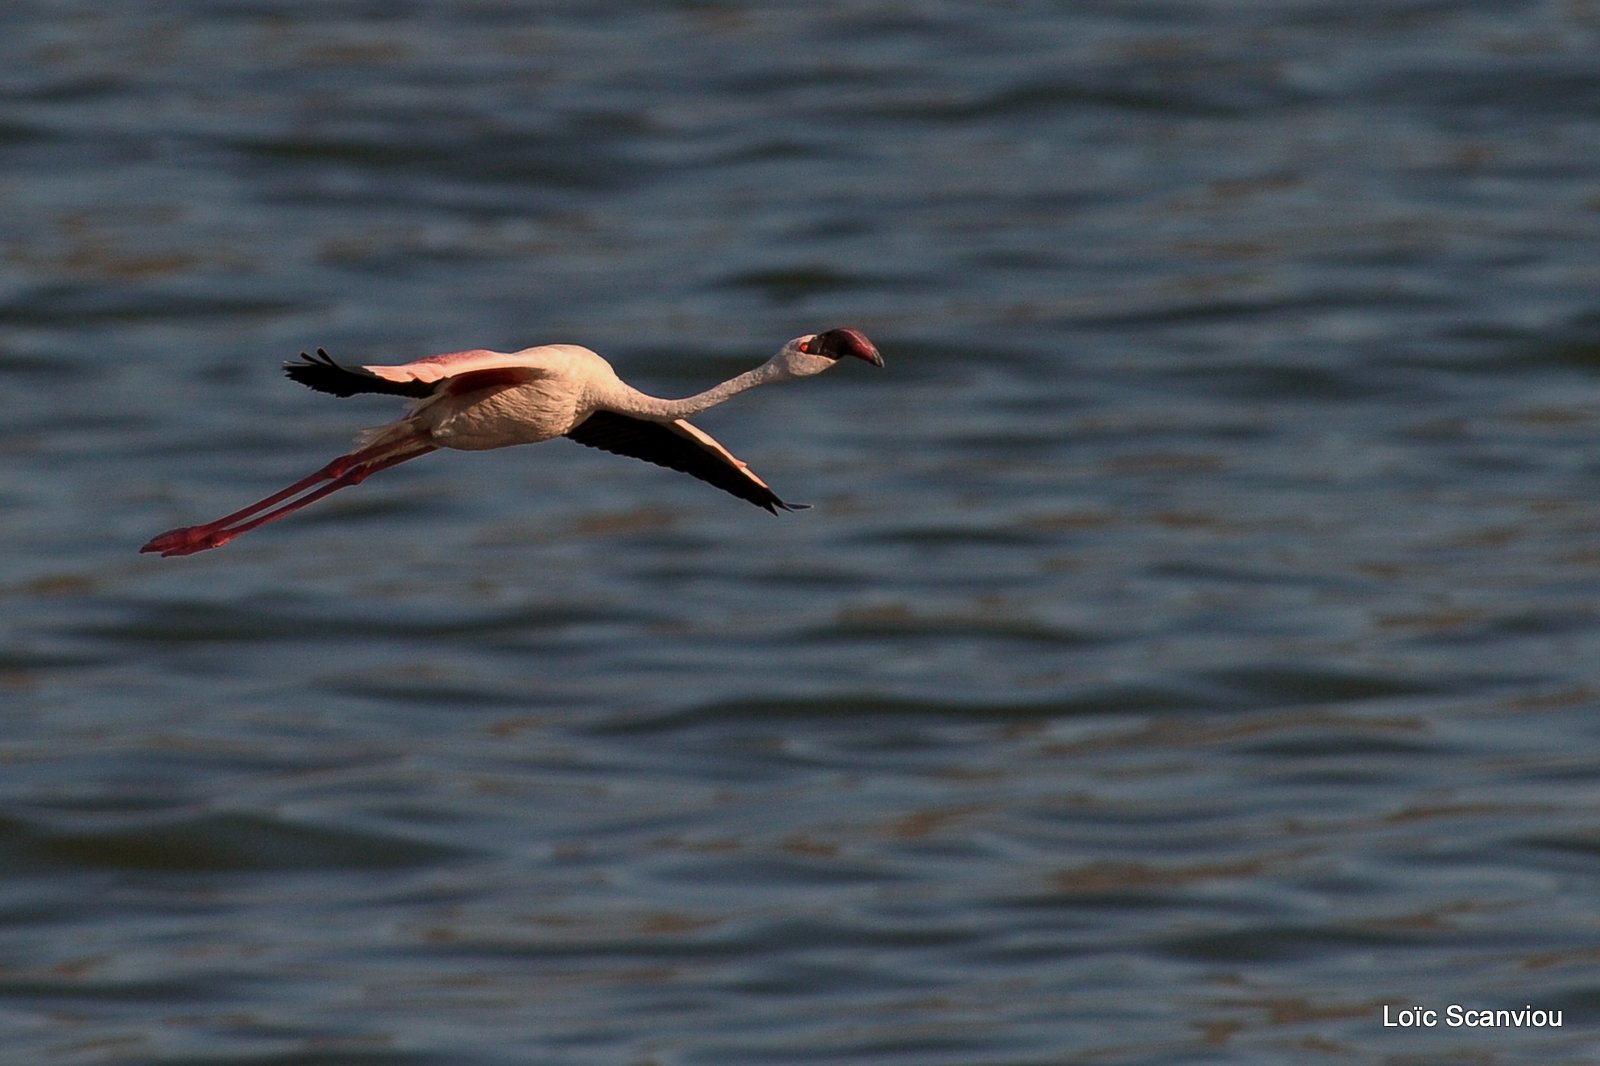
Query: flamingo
[(476, 400)]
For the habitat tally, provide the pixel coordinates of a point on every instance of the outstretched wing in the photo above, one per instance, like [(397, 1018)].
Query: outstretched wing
[(678, 446), (320, 372), (456, 373)]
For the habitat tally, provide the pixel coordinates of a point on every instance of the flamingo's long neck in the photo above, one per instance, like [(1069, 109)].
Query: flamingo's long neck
[(654, 407)]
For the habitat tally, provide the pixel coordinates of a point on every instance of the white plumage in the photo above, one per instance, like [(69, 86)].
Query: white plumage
[(475, 400)]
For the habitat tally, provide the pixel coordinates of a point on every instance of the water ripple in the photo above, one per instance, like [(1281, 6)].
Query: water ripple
[(1190, 652)]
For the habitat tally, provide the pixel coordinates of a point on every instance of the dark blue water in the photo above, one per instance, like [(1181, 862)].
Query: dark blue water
[(1191, 655)]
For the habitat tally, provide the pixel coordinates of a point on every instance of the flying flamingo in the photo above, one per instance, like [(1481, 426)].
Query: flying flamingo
[(476, 400)]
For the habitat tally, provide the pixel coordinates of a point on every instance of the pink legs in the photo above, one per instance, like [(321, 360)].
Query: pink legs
[(346, 470)]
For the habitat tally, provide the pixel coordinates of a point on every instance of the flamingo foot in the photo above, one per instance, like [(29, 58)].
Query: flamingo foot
[(189, 539)]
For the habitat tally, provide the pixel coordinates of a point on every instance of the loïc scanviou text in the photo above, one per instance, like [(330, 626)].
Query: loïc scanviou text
[(1456, 1016)]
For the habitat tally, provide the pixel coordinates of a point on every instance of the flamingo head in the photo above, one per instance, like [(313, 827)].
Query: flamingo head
[(815, 352)]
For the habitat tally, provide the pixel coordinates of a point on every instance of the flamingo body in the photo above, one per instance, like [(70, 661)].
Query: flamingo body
[(476, 400)]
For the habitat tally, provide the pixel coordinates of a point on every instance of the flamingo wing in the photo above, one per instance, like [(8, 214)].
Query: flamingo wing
[(458, 373), (677, 446), (320, 372)]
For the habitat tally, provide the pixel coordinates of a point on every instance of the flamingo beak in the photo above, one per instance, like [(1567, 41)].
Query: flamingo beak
[(843, 341)]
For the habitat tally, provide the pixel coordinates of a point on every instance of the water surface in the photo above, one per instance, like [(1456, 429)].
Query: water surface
[(1191, 651)]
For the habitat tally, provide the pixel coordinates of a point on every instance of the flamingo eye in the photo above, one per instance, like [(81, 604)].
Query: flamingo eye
[(805, 346)]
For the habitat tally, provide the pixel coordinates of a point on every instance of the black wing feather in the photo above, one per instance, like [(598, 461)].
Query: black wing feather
[(320, 372), (660, 444)]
